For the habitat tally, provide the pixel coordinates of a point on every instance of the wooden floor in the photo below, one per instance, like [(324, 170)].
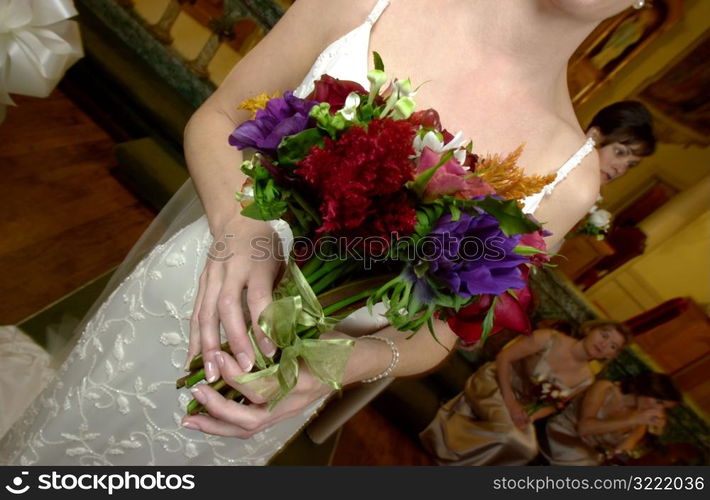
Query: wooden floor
[(66, 220)]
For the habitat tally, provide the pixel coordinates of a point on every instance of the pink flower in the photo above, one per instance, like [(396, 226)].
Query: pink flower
[(450, 179), (537, 240)]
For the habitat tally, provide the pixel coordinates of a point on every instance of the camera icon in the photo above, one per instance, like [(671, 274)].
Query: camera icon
[(219, 251), (16, 488)]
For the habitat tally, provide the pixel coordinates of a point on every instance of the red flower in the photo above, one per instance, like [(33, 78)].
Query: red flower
[(334, 91), (511, 313), (428, 118), (359, 179)]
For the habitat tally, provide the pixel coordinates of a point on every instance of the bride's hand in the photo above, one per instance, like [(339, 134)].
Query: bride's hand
[(241, 256), (231, 419)]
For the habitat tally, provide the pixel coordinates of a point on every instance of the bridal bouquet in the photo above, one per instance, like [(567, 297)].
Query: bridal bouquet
[(385, 206), (546, 394)]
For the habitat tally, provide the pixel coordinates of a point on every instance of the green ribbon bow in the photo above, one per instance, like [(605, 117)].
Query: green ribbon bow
[(295, 308)]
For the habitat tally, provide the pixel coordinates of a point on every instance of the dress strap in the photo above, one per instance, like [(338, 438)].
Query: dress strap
[(377, 11), (532, 202), (571, 164)]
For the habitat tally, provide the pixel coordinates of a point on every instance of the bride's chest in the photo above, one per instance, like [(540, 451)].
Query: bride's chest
[(495, 113)]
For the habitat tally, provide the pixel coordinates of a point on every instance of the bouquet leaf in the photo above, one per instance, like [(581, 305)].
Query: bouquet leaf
[(379, 65), (268, 198), (488, 320), (294, 148), (528, 250), (511, 218)]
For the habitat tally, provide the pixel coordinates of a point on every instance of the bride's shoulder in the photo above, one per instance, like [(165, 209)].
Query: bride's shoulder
[(572, 198), (332, 17)]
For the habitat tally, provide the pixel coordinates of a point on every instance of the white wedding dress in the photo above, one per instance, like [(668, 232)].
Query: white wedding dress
[(113, 401)]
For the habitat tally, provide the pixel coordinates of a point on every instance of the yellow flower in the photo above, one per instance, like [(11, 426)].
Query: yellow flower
[(254, 104), (507, 177)]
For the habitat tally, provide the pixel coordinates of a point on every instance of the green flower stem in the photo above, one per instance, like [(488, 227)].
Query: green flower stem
[(194, 407), (326, 268), (332, 276), (195, 377), (306, 207), (232, 394), (300, 216), (344, 303), (311, 266)]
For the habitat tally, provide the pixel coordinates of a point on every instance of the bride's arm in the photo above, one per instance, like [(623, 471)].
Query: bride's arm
[(419, 354), (570, 201), (277, 63)]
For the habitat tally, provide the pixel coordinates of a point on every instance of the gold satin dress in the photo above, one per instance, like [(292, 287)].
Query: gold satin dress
[(567, 447), (475, 428)]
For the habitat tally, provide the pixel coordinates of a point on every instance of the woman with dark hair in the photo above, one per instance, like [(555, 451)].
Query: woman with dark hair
[(623, 133), (491, 421), (611, 420)]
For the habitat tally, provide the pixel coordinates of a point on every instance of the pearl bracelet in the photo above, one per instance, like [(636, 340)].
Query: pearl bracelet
[(393, 364)]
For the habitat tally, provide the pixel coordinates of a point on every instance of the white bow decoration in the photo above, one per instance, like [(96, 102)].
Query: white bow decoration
[(37, 45)]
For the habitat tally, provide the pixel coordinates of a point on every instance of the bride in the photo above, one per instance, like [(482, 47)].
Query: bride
[(496, 69)]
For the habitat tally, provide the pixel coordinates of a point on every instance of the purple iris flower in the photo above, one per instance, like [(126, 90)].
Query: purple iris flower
[(472, 256), (283, 116)]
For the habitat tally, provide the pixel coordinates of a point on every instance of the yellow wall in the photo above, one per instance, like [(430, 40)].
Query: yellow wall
[(677, 267), (681, 210), (680, 265)]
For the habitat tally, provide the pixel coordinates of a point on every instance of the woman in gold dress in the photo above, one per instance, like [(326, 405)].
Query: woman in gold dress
[(491, 421), (609, 423)]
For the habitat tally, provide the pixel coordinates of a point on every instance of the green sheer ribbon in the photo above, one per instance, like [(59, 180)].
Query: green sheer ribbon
[(296, 309)]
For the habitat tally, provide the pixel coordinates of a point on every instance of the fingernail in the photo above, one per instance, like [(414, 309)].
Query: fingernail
[(220, 359), (197, 394), (187, 363), (210, 372), (244, 362), (267, 347), (191, 425)]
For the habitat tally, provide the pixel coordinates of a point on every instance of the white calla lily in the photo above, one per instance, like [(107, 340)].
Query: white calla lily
[(349, 110), (434, 141), (404, 88), (377, 79)]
